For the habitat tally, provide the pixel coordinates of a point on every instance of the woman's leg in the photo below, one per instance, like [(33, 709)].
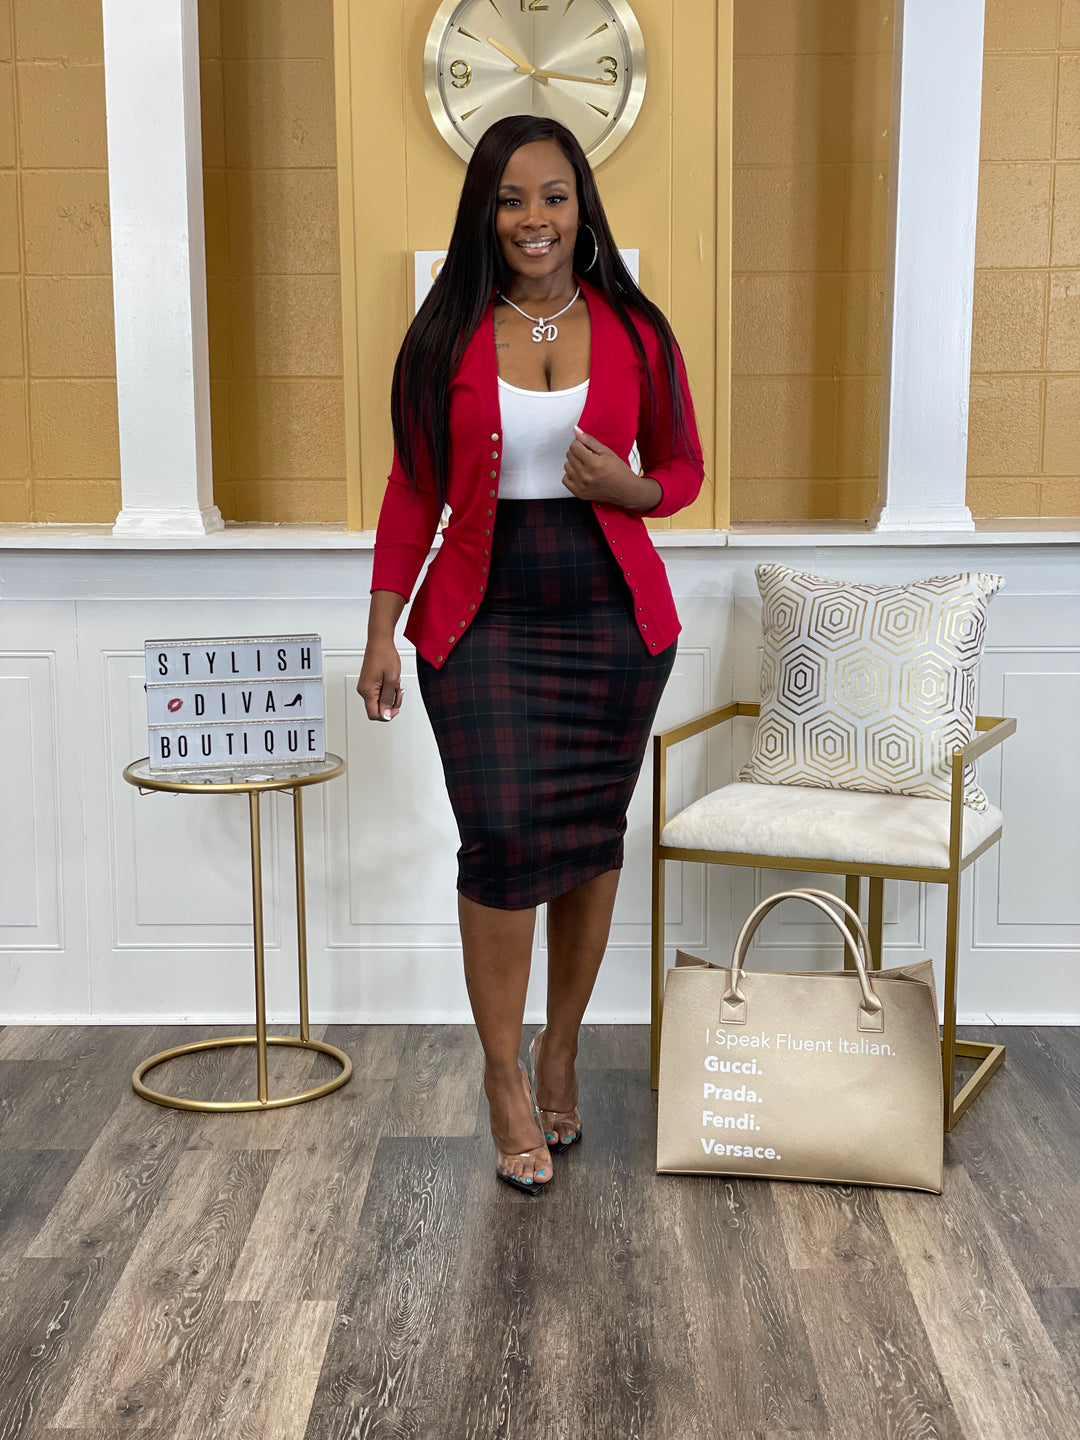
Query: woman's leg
[(497, 945), (578, 925)]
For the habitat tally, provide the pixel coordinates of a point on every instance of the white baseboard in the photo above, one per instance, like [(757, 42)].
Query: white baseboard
[(1011, 1018), (245, 1022)]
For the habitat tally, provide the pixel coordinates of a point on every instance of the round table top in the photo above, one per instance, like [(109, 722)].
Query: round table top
[(241, 779)]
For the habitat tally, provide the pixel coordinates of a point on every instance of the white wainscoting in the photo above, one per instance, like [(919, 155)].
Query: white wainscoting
[(116, 906)]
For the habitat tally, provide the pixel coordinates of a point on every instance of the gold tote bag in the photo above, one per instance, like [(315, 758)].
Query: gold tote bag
[(823, 1076)]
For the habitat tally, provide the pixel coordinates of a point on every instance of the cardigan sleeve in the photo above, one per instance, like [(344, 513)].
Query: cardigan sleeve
[(408, 520), (675, 464)]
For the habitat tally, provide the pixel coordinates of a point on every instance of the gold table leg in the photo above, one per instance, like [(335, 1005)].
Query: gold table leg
[(257, 920), (301, 908), (260, 1039)]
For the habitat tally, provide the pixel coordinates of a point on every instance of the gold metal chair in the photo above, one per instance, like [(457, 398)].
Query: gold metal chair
[(967, 839)]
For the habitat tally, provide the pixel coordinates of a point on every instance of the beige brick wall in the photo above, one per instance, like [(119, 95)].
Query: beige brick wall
[(811, 149), (1024, 453), (273, 284), (272, 260), (810, 185), (59, 453), (811, 174)]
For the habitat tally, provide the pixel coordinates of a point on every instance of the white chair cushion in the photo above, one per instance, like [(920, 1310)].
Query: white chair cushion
[(799, 823)]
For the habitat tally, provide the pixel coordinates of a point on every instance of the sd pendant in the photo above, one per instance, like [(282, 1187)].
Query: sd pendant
[(545, 332)]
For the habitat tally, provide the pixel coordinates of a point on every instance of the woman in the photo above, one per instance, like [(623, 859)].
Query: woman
[(545, 627)]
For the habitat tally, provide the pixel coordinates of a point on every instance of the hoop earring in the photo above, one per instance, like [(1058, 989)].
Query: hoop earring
[(596, 247)]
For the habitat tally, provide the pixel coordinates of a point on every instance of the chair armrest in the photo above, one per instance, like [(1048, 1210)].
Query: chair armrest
[(666, 738), (990, 730), (677, 733)]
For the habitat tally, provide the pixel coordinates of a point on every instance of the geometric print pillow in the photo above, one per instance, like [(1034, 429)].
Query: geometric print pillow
[(869, 687)]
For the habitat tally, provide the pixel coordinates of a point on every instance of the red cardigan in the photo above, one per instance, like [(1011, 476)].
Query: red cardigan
[(616, 413)]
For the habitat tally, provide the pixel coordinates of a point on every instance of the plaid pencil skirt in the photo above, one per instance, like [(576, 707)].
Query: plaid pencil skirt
[(543, 710)]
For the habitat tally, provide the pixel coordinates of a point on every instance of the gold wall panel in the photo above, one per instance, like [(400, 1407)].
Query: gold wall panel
[(273, 288), (1024, 426), (811, 155), (59, 441)]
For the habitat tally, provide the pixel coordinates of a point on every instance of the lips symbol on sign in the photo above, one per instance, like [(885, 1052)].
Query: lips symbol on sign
[(174, 705)]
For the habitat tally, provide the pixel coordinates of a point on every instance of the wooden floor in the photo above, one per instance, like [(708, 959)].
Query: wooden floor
[(351, 1268)]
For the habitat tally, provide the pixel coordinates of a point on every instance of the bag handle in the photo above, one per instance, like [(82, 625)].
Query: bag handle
[(871, 1011)]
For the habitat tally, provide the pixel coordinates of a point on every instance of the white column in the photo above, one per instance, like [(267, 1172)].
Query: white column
[(159, 267), (930, 265)]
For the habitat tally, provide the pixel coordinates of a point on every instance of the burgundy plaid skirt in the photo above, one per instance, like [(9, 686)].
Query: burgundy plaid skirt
[(543, 710)]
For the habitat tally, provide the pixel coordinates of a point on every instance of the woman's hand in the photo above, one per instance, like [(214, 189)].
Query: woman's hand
[(380, 680), (595, 473)]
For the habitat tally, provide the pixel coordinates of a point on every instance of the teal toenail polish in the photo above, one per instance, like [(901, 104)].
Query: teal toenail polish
[(528, 1179), (551, 1137), (541, 1172)]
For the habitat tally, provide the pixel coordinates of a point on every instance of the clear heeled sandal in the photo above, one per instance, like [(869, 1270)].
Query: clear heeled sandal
[(554, 1122), (503, 1158)]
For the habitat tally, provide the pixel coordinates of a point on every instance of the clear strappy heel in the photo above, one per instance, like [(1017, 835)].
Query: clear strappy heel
[(554, 1121), (504, 1158)]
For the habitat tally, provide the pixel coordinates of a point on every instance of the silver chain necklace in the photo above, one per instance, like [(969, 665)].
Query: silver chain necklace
[(544, 329)]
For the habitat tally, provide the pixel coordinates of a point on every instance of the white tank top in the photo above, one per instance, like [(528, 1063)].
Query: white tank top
[(537, 431)]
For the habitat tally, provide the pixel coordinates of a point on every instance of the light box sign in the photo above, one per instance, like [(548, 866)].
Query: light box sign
[(227, 703)]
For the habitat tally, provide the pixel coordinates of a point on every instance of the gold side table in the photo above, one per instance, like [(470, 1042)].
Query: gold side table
[(292, 778)]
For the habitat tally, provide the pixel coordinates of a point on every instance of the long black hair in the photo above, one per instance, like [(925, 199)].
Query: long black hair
[(474, 267)]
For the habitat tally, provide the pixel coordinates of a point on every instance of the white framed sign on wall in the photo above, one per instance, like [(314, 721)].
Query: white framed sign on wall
[(229, 703)]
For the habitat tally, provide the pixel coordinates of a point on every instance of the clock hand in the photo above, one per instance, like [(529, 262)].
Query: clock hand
[(559, 75), (524, 68)]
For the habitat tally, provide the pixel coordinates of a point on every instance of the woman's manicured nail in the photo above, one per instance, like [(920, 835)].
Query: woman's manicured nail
[(528, 1179), (551, 1137)]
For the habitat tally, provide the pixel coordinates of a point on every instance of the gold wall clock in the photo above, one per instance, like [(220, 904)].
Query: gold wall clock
[(579, 61)]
